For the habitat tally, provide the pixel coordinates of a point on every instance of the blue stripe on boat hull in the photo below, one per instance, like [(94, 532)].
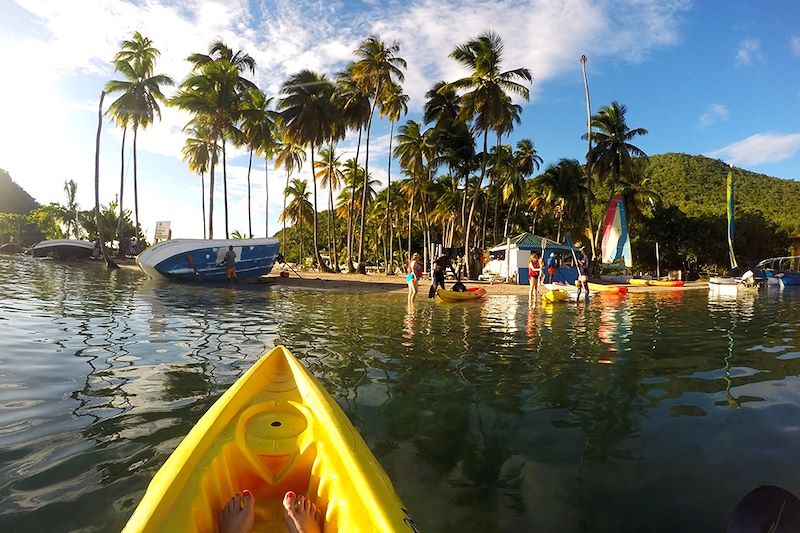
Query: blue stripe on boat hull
[(252, 262)]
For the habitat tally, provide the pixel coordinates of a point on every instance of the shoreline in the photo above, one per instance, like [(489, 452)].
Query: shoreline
[(381, 283)]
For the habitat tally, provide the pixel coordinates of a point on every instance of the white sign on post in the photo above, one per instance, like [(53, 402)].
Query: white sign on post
[(162, 230)]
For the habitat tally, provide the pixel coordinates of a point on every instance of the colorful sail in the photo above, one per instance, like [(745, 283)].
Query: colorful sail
[(616, 241), (730, 220)]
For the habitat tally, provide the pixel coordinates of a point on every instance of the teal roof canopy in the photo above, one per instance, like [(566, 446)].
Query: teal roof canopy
[(528, 241)]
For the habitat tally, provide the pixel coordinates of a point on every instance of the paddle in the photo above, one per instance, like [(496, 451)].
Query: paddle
[(767, 508)]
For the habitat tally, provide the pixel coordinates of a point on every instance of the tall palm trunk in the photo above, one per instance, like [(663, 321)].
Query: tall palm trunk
[(472, 205), (350, 211), (135, 190), (211, 196), (332, 229), (283, 234), (410, 213), (361, 265), (121, 191), (389, 197), (249, 212), (588, 159), (225, 186), (508, 217), (266, 190), (109, 263), (203, 200), (317, 257)]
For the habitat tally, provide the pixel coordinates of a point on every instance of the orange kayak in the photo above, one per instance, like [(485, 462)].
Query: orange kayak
[(655, 283), (611, 289)]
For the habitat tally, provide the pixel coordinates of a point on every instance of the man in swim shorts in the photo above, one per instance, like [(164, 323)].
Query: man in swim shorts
[(230, 264)]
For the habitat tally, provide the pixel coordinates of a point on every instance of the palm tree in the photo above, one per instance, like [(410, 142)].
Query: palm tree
[(257, 127), (416, 150), (611, 156), (289, 155), (299, 209), (328, 170), (197, 152), (353, 106), (393, 105), (307, 114), (377, 67), (213, 92), (70, 209), (526, 162), (563, 183), (487, 87), (138, 103)]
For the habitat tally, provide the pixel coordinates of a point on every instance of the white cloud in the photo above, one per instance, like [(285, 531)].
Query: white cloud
[(769, 147), (749, 51), (713, 114), (65, 64), (794, 44)]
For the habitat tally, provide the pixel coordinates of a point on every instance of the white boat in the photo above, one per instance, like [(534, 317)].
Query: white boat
[(202, 260), (63, 249)]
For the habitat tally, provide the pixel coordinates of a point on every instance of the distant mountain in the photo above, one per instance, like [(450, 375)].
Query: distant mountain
[(696, 185), (13, 198)]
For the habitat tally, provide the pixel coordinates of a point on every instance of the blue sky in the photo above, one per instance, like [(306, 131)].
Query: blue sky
[(713, 77)]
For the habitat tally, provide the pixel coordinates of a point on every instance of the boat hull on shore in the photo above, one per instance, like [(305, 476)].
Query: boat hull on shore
[(202, 260), (63, 249)]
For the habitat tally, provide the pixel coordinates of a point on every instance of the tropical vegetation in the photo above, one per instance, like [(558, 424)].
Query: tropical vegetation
[(463, 181)]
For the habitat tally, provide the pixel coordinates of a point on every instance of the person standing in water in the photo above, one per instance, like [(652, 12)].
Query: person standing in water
[(441, 264), (230, 265), (583, 275), (534, 274), (414, 273)]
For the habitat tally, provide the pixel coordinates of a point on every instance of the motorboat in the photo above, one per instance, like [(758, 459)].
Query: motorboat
[(202, 260), (779, 270), (63, 249)]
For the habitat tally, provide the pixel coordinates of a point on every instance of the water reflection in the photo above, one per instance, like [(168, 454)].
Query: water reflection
[(510, 416)]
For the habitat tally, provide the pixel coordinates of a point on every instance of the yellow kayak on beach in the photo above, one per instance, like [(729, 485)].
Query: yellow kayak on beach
[(274, 430), (613, 289), (555, 295), (453, 296)]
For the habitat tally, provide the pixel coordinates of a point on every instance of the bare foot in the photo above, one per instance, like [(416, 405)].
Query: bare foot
[(302, 516), (237, 515)]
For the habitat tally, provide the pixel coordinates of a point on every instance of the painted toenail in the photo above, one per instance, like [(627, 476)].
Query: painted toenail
[(246, 493), (290, 495)]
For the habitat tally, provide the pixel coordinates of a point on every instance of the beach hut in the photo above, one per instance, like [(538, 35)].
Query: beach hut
[(509, 260)]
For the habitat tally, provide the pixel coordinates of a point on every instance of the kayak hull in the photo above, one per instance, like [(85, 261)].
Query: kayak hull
[(608, 289), (555, 296), (655, 283), (274, 430), (453, 296)]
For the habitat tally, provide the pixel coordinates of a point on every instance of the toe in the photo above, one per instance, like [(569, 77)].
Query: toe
[(289, 500), (247, 499)]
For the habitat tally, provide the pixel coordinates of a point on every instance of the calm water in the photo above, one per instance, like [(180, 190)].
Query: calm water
[(657, 412)]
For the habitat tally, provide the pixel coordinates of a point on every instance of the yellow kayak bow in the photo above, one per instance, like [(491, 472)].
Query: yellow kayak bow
[(274, 430)]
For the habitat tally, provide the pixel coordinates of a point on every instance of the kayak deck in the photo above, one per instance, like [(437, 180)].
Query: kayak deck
[(274, 430)]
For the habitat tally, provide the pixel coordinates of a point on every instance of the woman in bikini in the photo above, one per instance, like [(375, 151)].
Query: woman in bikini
[(413, 276)]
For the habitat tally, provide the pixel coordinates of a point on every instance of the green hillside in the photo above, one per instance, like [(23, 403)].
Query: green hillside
[(696, 186), (13, 198)]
